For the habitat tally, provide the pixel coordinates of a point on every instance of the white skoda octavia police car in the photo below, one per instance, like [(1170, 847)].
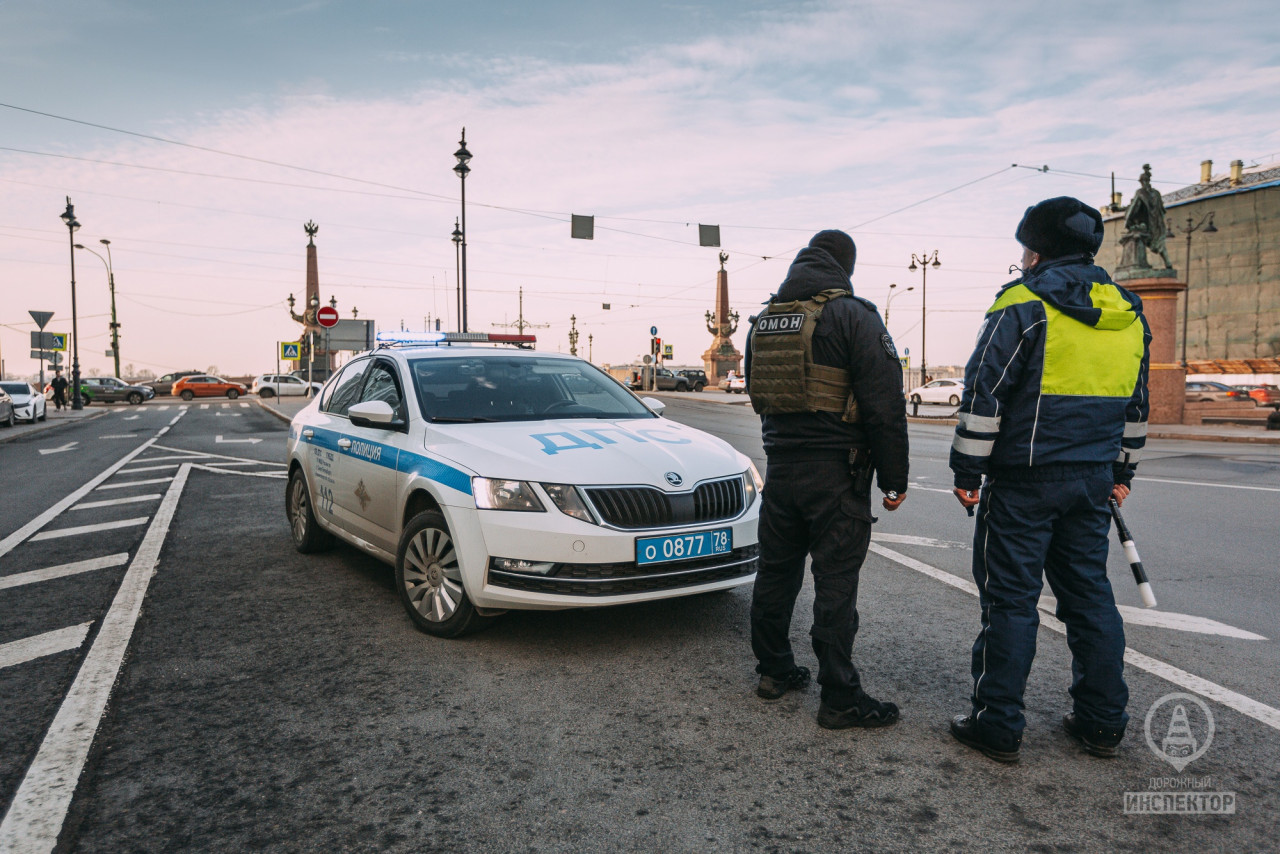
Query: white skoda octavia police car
[(495, 478)]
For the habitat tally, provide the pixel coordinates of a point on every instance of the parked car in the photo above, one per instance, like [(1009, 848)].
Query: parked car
[(111, 390), (1204, 392), (1263, 395), (697, 378), (318, 374), (664, 380), (27, 402), (938, 391), (285, 385), (7, 416), (734, 383), (164, 385), (189, 388)]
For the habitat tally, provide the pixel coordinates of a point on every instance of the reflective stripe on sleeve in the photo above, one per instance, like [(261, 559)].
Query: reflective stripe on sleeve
[(1129, 455), (973, 447), (1135, 429), (980, 423)]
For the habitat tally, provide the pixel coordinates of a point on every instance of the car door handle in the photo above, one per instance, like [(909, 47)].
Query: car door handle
[(308, 434), (344, 443)]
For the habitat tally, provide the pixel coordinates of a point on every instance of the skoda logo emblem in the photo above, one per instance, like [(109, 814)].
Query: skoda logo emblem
[(673, 478)]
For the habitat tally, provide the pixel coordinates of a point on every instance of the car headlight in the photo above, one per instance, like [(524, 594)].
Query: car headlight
[(568, 501), (505, 495), (753, 482)]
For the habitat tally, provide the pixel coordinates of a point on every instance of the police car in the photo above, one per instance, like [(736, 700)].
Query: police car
[(494, 477)]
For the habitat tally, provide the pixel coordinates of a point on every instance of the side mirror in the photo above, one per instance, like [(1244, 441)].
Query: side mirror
[(656, 406), (374, 413)]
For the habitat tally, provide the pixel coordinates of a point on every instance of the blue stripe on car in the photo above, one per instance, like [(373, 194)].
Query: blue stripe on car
[(389, 456)]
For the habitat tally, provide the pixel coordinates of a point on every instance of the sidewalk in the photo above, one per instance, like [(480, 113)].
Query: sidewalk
[(284, 408), (54, 419)]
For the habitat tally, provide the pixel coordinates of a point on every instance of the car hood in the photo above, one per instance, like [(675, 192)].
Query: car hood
[(20, 399), (588, 451)]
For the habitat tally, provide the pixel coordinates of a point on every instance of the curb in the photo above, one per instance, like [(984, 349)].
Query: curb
[(46, 426), (1248, 440), (277, 413)]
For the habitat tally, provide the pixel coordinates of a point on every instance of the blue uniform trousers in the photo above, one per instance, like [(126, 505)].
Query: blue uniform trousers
[(1054, 519)]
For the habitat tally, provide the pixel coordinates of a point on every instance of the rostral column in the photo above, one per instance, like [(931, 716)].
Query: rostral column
[(722, 356)]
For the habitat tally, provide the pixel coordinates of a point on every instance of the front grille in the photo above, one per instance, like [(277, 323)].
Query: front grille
[(636, 507), (614, 579)]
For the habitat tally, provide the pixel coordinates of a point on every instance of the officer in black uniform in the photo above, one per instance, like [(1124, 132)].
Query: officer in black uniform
[(824, 376)]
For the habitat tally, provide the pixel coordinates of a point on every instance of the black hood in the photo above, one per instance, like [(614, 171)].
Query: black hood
[(813, 271)]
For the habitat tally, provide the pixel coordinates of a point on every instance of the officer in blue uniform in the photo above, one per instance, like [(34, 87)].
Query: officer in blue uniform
[(1054, 415), (824, 376)]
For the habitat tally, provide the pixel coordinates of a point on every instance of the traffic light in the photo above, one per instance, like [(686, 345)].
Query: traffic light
[(657, 346)]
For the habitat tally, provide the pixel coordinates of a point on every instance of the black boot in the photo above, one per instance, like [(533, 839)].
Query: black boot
[(773, 687), (968, 732), (1097, 740), (866, 712)]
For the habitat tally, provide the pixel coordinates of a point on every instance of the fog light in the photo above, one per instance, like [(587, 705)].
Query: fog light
[(511, 564)]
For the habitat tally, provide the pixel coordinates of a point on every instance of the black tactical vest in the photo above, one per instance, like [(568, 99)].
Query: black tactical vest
[(784, 378)]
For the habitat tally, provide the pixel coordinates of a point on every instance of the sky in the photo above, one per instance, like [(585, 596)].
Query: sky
[(198, 138)]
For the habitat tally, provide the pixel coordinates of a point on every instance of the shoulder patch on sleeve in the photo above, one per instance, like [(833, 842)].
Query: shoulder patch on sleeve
[(886, 341)]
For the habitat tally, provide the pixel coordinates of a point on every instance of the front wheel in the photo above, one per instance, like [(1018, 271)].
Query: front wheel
[(135, 398), (187, 394), (429, 580), (953, 400), (232, 394), (308, 536), (11, 419), (266, 393)]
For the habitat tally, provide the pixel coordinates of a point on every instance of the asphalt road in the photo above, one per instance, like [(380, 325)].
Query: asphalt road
[(279, 702)]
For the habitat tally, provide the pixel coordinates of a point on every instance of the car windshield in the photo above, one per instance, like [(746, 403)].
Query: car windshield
[(16, 388), (464, 389)]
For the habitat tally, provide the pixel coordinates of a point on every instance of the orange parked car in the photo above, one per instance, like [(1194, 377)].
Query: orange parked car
[(188, 388)]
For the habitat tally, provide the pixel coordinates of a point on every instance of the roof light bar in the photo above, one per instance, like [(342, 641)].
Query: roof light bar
[(426, 338)]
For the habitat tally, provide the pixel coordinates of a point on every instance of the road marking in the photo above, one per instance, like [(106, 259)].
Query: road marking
[(1214, 485), (125, 483), (132, 418), (181, 458), (162, 408), (185, 406), (226, 415), (244, 406), (1167, 620), (58, 533), (113, 502), (39, 807), (904, 539), (1245, 705), (67, 447), (204, 406), (120, 436), (153, 468), (272, 474), (38, 646), (62, 570), (221, 441), (223, 456)]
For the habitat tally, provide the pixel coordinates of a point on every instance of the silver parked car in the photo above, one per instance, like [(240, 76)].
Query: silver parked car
[(28, 403), (7, 416)]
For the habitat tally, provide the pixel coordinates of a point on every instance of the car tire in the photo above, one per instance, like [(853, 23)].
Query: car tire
[(135, 398), (915, 398), (11, 420), (429, 581), (699, 387), (953, 400), (232, 394), (187, 394), (307, 535), (266, 393)]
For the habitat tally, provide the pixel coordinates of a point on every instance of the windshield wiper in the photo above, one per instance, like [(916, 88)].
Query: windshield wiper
[(447, 420)]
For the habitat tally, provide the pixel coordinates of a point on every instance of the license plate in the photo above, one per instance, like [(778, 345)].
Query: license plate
[(683, 546)]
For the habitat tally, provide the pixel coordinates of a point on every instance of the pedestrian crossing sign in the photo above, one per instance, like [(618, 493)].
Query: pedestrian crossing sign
[(58, 341), (290, 351)]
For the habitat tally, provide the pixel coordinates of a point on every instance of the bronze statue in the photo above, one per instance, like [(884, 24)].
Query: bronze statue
[(1145, 226)]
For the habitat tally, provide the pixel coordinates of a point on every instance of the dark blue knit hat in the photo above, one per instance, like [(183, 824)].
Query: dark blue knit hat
[(1059, 227), (839, 245)]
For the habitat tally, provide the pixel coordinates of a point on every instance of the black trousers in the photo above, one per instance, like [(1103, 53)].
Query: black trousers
[(811, 509)]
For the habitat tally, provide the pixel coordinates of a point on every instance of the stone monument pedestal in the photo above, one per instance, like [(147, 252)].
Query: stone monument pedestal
[(1167, 382)]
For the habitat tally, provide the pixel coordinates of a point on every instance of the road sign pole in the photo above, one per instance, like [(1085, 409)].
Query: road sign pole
[(42, 319), (278, 348)]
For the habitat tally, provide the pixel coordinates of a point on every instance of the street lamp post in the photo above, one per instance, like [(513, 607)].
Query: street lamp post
[(111, 283), (462, 169), (1206, 223), (924, 262), (69, 217), (457, 267), (889, 299)]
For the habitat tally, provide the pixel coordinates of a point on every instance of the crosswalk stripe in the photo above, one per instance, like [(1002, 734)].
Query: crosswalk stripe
[(160, 467), (62, 570), (90, 529), (133, 499), (204, 406), (126, 483), (244, 406), (49, 643), (162, 408)]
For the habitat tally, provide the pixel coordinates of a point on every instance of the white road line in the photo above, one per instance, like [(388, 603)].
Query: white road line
[(272, 474), (162, 408), (58, 533), (1245, 705), (160, 467), (916, 486), (244, 406), (112, 502), (120, 436), (204, 406), (39, 807), (183, 458), (38, 646), (62, 570), (125, 483), (220, 456), (1168, 620), (1214, 485), (906, 540)]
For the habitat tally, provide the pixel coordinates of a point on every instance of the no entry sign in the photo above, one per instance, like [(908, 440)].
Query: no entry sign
[(327, 316)]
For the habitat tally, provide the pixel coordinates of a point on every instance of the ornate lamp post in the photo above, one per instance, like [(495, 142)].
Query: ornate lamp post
[(69, 217), (111, 283), (457, 267), (925, 262), (573, 335), (462, 169), (889, 299), (1205, 223)]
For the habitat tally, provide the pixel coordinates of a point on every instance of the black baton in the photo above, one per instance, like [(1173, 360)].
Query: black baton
[(1131, 553)]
